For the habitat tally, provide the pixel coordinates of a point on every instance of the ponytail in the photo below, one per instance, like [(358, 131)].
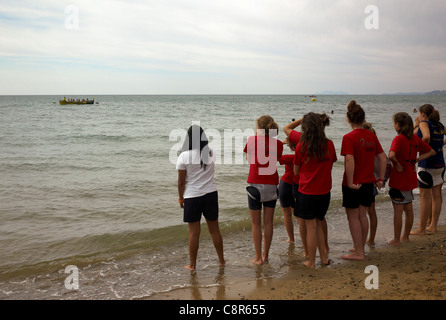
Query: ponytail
[(355, 113)]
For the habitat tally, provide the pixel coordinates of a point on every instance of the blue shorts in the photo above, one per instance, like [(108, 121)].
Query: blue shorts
[(206, 205)]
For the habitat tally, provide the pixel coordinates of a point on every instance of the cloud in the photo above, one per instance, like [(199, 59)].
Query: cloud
[(260, 46)]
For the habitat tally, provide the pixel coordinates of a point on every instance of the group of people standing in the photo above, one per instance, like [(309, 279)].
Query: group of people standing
[(304, 189)]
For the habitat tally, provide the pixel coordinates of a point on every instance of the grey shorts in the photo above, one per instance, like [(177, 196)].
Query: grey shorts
[(400, 197), (259, 194), (428, 178)]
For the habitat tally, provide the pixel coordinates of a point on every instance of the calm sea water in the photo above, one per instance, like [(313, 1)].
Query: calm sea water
[(95, 187)]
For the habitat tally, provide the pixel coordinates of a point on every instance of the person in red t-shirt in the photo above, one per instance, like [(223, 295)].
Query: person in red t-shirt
[(294, 137), (263, 151), (359, 148), (313, 161), (286, 196), (403, 177)]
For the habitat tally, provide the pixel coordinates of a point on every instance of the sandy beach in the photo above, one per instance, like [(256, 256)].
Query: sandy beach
[(413, 271)]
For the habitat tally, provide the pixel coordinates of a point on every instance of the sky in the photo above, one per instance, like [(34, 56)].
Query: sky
[(221, 47)]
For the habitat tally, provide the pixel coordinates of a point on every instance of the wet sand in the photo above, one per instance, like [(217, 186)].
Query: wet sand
[(413, 271)]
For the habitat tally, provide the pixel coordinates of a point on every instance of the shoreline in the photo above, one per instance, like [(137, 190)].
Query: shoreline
[(413, 271)]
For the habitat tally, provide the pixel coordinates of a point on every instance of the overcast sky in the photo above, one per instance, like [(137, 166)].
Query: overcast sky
[(221, 47)]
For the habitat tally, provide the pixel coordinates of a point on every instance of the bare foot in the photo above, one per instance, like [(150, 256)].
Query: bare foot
[(394, 242), (431, 229), (405, 239), (326, 262), (371, 243), (189, 267), (257, 261), (418, 232), (290, 240), (308, 264), (352, 256)]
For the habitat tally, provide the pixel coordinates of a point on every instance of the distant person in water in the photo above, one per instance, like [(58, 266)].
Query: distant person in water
[(359, 148), (197, 191), (263, 151)]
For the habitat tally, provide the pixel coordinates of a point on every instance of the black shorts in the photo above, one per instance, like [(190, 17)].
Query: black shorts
[(310, 207), (206, 205), (352, 198), (286, 196), (295, 190)]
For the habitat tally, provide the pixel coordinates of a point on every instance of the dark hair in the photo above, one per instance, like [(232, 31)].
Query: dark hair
[(196, 139), (355, 113), (313, 139), (405, 124), (428, 109), (432, 114)]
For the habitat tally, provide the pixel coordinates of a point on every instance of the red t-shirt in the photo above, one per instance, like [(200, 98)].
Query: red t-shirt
[(263, 154), (315, 175), (406, 152), (363, 145), (288, 161), (294, 137)]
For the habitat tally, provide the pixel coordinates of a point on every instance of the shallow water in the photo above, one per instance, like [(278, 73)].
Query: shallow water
[(94, 187)]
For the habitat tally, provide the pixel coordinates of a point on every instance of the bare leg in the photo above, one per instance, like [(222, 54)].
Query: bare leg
[(194, 238), (425, 211), (364, 224), (324, 229), (312, 242), (303, 235), (397, 224), (437, 201), (373, 224), (268, 219), (217, 239), (256, 224), (408, 209), (322, 240), (288, 222), (356, 225)]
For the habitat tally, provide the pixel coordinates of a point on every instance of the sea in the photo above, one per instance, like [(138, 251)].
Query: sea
[(88, 193)]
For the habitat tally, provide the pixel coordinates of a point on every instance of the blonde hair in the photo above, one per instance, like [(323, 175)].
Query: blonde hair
[(368, 126)]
